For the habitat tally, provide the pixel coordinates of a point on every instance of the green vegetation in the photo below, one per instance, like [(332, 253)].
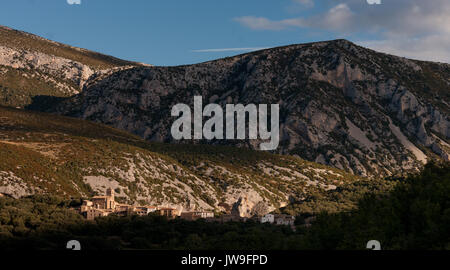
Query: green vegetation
[(20, 86), (55, 153), (343, 199), (25, 41), (415, 215)]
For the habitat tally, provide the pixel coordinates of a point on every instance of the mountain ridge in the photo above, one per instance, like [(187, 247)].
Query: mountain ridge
[(349, 116), (47, 154), (32, 66), (327, 91), (50, 47), (322, 88)]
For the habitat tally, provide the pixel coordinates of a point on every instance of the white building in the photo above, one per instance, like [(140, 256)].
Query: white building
[(194, 215), (278, 219), (284, 220), (268, 218)]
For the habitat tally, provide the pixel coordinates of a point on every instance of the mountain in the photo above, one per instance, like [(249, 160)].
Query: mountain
[(342, 105), (32, 66), (47, 154)]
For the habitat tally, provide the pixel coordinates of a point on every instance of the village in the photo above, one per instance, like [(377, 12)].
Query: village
[(102, 206)]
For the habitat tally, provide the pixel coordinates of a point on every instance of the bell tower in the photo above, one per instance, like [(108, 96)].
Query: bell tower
[(110, 193)]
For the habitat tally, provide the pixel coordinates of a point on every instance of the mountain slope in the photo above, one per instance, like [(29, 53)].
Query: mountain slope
[(43, 153), (31, 66), (342, 105)]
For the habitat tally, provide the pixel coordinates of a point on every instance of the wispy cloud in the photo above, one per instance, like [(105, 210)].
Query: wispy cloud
[(261, 23), (431, 48), (412, 28), (230, 50), (337, 17), (74, 2), (307, 3)]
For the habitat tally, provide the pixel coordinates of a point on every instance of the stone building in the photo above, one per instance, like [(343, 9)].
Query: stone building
[(86, 206), (143, 210), (284, 220), (91, 214), (168, 212), (100, 206), (278, 219), (268, 218), (194, 215), (105, 202)]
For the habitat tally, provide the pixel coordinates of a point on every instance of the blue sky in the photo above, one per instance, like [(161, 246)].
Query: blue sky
[(170, 32)]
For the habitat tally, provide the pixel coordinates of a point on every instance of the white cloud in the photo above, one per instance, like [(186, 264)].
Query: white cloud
[(413, 28), (306, 3), (261, 23), (231, 49), (74, 2), (337, 17), (406, 17), (374, 2), (430, 48)]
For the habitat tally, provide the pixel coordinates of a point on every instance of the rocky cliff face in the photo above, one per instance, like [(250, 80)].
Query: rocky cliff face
[(47, 67), (32, 66), (342, 105), (44, 153)]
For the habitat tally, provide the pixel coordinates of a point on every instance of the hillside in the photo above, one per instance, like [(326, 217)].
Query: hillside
[(48, 154), (32, 66), (342, 105), (412, 216)]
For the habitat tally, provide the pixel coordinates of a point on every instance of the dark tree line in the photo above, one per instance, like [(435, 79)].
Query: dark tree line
[(414, 215)]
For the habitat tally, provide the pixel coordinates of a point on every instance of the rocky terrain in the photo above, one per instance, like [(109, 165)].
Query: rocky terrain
[(342, 105), (32, 66), (43, 153), (348, 117)]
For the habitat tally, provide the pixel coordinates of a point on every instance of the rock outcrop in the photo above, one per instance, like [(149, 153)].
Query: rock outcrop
[(342, 105), (45, 153), (31, 66)]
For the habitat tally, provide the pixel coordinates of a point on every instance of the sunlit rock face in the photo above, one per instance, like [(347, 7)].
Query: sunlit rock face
[(342, 105)]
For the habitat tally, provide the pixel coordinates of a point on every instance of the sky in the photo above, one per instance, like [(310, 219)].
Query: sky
[(176, 32)]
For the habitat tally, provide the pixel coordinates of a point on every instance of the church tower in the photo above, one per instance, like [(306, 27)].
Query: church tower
[(110, 193)]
